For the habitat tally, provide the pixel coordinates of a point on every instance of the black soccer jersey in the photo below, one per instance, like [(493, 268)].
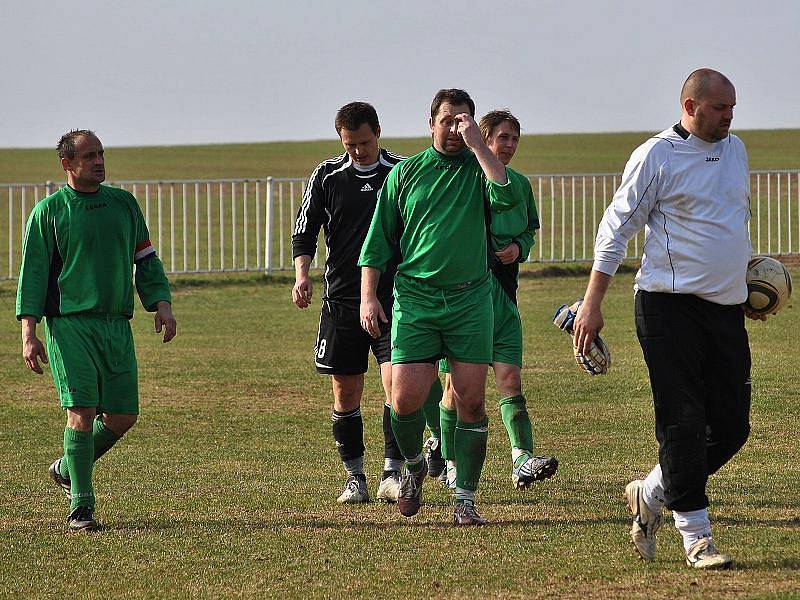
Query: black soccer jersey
[(341, 198)]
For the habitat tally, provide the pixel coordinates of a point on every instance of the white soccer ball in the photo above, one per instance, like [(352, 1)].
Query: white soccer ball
[(769, 285)]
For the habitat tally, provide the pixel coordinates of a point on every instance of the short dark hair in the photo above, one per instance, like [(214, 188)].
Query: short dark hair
[(492, 119), (66, 145), (699, 81), (354, 115), (453, 96)]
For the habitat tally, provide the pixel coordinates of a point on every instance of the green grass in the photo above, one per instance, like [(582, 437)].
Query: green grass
[(565, 153), (226, 486)]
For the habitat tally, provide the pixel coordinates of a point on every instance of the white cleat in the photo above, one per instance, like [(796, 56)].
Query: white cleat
[(355, 491), (389, 488), (703, 554), (645, 522)]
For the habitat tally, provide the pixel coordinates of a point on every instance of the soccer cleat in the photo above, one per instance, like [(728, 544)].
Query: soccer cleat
[(465, 513), (433, 454), (355, 491), (703, 554), (410, 498), (645, 522), (389, 488), (61, 481), (534, 468), (82, 519)]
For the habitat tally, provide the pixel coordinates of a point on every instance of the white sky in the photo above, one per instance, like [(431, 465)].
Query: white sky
[(176, 72)]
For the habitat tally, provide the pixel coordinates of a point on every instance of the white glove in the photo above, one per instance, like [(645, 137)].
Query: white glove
[(598, 359)]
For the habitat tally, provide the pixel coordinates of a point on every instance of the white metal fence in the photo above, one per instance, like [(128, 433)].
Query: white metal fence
[(210, 226)]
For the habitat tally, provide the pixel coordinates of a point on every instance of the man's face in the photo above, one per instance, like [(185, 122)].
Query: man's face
[(88, 169), (443, 129), (503, 141), (714, 112), (361, 144)]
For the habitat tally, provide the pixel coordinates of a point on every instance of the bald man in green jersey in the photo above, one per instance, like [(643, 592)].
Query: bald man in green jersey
[(512, 237), (80, 248), (434, 206)]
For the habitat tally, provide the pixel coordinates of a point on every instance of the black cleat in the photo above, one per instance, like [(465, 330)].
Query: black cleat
[(61, 481), (82, 519)]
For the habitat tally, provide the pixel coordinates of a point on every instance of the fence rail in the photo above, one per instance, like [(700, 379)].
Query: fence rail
[(230, 225)]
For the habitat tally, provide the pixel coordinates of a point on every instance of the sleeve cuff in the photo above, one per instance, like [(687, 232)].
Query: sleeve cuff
[(605, 266)]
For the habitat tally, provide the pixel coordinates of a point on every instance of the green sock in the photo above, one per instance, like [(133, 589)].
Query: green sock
[(408, 430), (517, 422), (104, 439), (431, 408), (470, 446), (79, 450), (448, 420)]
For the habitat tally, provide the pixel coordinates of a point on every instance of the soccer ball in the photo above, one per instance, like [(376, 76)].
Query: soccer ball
[(769, 285)]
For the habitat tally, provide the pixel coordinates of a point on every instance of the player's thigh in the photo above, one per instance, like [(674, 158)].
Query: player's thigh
[(382, 346), (72, 362), (416, 325), (729, 374), (507, 335), (342, 345), (118, 369), (468, 326)]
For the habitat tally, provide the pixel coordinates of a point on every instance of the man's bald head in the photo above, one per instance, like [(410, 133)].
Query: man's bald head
[(699, 82), (707, 99)]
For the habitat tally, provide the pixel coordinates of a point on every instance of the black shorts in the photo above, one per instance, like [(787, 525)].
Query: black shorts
[(343, 346)]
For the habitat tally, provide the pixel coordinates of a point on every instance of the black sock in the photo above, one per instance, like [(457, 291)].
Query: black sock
[(348, 432)]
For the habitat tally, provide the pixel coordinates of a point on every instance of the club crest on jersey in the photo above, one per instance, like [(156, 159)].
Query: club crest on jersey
[(712, 158), (366, 187)]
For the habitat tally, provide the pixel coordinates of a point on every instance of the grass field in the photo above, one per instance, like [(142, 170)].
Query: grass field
[(226, 486), (566, 153)]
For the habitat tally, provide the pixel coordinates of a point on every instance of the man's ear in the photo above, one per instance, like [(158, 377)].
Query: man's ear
[(690, 106), (65, 164)]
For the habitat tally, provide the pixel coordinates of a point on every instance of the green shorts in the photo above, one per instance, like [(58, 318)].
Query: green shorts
[(429, 322), (507, 338), (93, 362)]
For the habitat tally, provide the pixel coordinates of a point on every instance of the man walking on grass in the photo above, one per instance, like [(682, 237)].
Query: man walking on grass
[(341, 197), (81, 245), (688, 187), (434, 207)]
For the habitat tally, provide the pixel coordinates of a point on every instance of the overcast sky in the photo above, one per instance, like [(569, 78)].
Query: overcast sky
[(154, 72)]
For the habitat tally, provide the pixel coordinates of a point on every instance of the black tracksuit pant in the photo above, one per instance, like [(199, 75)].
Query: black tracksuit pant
[(698, 356)]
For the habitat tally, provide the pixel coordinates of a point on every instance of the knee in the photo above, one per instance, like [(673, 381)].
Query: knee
[(118, 423), (471, 407), (509, 382), (80, 418)]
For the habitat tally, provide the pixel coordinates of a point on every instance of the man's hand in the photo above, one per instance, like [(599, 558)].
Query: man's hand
[(588, 323), (753, 315), (32, 351), (302, 291), (509, 254), (372, 315), (165, 320), (468, 129)]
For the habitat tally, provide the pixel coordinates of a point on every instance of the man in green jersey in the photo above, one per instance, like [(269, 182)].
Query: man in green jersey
[(434, 206), (77, 271), (511, 237)]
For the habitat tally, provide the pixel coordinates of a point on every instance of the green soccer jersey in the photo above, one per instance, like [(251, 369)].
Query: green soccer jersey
[(79, 253), (519, 224), (433, 206)]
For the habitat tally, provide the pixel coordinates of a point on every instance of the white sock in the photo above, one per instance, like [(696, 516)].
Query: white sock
[(393, 464), (653, 492), (462, 494), (516, 453), (354, 466), (413, 463), (693, 525)]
